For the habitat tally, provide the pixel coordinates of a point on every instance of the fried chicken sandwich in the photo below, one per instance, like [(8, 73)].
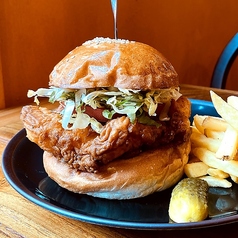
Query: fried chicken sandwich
[(121, 129)]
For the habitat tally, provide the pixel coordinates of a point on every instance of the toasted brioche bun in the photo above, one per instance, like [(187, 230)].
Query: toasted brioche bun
[(104, 62), (146, 173)]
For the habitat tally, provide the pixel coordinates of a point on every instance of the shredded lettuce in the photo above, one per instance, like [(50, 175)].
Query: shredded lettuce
[(144, 119), (67, 113), (113, 100), (108, 113)]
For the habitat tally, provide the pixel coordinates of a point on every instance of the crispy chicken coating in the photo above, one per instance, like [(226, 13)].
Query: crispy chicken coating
[(86, 150)]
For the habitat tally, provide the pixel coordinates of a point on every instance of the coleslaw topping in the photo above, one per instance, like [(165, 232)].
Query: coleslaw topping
[(136, 104)]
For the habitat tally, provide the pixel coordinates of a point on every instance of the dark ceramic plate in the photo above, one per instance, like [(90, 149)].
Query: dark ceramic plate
[(23, 169)]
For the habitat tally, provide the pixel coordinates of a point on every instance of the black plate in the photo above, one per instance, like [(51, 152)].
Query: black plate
[(23, 169)]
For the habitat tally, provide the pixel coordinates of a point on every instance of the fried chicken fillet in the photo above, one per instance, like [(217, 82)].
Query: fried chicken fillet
[(86, 150)]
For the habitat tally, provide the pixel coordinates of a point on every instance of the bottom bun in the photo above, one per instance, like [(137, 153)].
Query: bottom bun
[(144, 174)]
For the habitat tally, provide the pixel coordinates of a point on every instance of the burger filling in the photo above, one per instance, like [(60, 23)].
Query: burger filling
[(95, 126), (108, 103)]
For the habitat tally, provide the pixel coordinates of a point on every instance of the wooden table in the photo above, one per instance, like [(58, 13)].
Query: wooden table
[(21, 218)]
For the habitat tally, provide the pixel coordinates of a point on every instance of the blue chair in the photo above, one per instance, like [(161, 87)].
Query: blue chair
[(224, 63)]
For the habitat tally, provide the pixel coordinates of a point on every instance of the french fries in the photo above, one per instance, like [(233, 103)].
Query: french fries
[(209, 158), (216, 182), (233, 101), (226, 111), (214, 123), (198, 123), (214, 142), (195, 170), (228, 146), (234, 178), (214, 134), (200, 140), (217, 173)]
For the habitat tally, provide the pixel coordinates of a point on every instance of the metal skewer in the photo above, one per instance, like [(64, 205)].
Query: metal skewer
[(114, 10)]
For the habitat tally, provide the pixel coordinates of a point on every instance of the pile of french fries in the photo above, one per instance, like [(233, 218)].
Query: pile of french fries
[(214, 142)]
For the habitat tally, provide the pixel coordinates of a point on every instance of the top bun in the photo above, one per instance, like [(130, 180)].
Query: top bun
[(104, 62)]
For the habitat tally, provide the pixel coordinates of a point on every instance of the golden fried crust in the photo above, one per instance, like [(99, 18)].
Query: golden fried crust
[(150, 171), (103, 62), (85, 150)]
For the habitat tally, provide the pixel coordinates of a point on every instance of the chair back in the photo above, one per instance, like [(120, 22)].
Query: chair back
[(224, 63)]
